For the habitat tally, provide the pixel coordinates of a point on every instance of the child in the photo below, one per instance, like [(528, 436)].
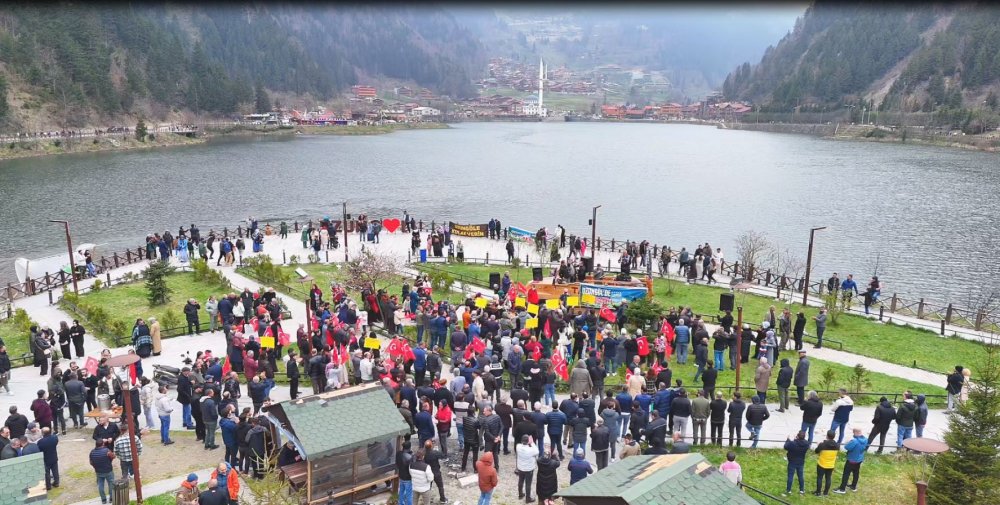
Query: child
[(731, 468)]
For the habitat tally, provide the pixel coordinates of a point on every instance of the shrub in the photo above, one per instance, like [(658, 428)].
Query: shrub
[(120, 328), (859, 380), (293, 259), (826, 382), (313, 259), (57, 143), (265, 271), (642, 312), (96, 286), (170, 319)]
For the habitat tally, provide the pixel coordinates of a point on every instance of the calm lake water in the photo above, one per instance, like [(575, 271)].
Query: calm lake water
[(928, 216)]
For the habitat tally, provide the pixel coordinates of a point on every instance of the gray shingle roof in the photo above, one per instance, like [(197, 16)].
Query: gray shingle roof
[(343, 419), (23, 480), (671, 479)]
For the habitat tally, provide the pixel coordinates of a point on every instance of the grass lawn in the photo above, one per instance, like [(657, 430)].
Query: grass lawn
[(884, 478), (127, 302), (903, 345), (14, 334), (324, 274)]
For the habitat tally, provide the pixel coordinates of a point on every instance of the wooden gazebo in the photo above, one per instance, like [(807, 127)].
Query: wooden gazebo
[(348, 440)]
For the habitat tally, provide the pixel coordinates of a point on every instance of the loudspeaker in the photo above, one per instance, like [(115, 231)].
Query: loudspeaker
[(536, 274), (588, 264), (727, 301), (494, 280)]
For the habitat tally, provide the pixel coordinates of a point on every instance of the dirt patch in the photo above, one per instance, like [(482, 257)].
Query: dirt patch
[(158, 462)]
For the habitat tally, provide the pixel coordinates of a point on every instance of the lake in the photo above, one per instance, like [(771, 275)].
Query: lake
[(927, 216)]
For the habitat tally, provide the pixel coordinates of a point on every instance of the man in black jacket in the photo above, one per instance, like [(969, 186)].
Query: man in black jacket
[(209, 416), (403, 459), (588, 406), (656, 434), (784, 382), (884, 415), (812, 408), (954, 389), (708, 379), (184, 392), (600, 443), (492, 428), (717, 418), (292, 370), (470, 433), (569, 407), (16, 423), (433, 459), (191, 314), (736, 409)]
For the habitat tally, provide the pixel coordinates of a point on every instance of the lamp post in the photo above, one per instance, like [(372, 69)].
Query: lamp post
[(69, 247), (593, 236), (345, 232), (121, 363), (744, 286), (809, 259)]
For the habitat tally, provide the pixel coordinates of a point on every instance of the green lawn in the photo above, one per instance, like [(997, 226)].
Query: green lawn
[(884, 478), (14, 333), (903, 345), (323, 274), (126, 303)]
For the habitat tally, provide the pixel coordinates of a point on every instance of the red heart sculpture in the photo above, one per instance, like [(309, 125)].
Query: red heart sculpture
[(391, 224)]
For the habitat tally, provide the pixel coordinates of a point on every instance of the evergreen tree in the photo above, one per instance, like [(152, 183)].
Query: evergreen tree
[(140, 131), (158, 293), (263, 103), (4, 107), (969, 473)]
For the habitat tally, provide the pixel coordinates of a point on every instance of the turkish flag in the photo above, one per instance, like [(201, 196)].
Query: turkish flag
[(643, 345), (226, 368), (477, 345), (608, 315), (667, 330), (394, 349), (408, 352), (283, 338), (656, 367), (521, 288), (343, 354), (533, 296), (628, 372), (253, 323), (315, 324), (536, 354), (561, 368), (91, 365), (547, 329), (468, 352), (512, 295)]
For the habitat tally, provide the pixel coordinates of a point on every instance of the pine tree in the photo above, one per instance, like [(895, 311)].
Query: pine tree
[(969, 472), (263, 101), (140, 131), (158, 293), (4, 107)]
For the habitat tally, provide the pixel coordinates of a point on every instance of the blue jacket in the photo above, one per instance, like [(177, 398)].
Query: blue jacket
[(682, 334), (856, 448), (555, 421), (47, 445), (578, 469), (228, 427), (419, 359), (644, 401), (849, 285), (625, 402), (662, 402), (424, 424), (796, 451)]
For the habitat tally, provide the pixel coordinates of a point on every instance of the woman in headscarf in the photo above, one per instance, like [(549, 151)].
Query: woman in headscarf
[(182, 249)]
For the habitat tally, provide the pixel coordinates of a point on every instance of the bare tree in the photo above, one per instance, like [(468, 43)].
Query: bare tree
[(754, 251), (788, 267), (369, 269)]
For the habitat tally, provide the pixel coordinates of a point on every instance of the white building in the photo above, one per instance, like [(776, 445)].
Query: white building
[(425, 111), (539, 109)]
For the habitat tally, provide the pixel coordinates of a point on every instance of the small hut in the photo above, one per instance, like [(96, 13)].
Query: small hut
[(348, 440), (669, 479), (23, 481)]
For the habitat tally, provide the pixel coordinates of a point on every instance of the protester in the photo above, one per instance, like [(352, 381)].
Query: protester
[(795, 453), (578, 467), (827, 451), (488, 478), (842, 408), (855, 456), (188, 492), (905, 416), (100, 459)]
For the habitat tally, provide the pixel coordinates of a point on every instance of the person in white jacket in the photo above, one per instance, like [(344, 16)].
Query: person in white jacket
[(422, 478), (164, 406), (527, 462)]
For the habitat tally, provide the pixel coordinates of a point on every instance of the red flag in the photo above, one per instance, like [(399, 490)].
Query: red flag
[(628, 372), (394, 348), (667, 330), (315, 324), (656, 367), (512, 295), (547, 329), (643, 345), (226, 367), (559, 363), (533, 296), (283, 338), (608, 315), (253, 323), (468, 352), (343, 355), (91, 365), (477, 345), (521, 288), (408, 352), (536, 354)]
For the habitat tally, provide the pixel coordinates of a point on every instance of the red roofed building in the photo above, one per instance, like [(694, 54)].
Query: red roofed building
[(364, 91)]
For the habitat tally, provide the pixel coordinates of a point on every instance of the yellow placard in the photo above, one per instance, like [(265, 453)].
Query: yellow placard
[(572, 301), (520, 302), (267, 342), (552, 304), (372, 343), (531, 323), (589, 299), (532, 309), (482, 302)]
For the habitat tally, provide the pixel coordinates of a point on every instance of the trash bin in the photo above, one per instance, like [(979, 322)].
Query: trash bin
[(423, 255), (119, 492)]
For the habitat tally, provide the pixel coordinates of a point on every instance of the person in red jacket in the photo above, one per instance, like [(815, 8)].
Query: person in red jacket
[(43, 412), (228, 478), (487, 478)]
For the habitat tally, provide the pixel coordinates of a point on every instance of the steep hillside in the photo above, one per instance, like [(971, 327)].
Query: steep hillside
[(73, 65), (907, 58)]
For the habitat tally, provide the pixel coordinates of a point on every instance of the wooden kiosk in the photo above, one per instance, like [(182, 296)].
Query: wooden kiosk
[(348, 440)]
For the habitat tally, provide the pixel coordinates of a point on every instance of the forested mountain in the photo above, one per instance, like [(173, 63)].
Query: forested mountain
[(901, 57), (82, 64)]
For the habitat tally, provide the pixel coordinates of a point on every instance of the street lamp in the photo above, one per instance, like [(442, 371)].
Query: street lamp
[(593, 236), (69, 247), (809, 259), (121, 365)]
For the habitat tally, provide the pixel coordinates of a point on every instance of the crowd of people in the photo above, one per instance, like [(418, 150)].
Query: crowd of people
[(501, 389)]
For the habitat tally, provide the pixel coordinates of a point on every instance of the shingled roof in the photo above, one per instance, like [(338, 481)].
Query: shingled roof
[(340, 420), (23, 480), (670, 479)]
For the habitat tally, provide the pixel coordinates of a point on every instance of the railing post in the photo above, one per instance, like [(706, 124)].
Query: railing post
[(108, 274), (920, 309), (420, 225), (296, 226), (598, 244), (51, 302), (947, 317), (892, 304), (284, 259), (612, 245), (487, 257), (881, 312), (327, 255), (225, 231), (942, 327)]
